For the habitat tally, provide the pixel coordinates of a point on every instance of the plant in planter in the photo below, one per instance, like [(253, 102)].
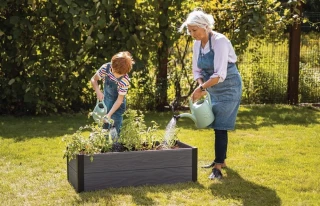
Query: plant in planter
[(135, 135), (139, 156)]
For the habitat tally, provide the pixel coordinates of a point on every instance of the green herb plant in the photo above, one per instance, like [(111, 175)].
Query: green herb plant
[(135, 135), (81, 142)]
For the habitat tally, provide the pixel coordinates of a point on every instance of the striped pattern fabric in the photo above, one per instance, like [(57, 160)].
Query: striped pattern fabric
[(123, 82)]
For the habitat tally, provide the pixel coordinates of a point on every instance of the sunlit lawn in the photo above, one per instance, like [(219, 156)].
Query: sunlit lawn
[(273, 159)]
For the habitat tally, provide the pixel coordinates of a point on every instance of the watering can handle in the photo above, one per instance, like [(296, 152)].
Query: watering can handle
[(104, 105), (208, 97)]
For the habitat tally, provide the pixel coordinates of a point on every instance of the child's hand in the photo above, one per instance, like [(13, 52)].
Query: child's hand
[(107, 119), (100, 95)]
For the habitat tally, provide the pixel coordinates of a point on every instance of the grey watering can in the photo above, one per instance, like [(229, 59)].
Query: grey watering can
[(99, 111), (201, 112)]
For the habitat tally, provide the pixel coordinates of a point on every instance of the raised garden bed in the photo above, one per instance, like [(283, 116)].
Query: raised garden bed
[(120, 169)]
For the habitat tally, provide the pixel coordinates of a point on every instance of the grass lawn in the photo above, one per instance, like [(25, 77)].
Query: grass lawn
[(273, 159)]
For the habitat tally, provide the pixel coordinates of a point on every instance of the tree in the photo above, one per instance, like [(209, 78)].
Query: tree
[(168, 9)]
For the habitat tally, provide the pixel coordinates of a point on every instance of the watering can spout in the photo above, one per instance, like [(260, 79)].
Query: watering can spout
[(176, 117), (191, 116)]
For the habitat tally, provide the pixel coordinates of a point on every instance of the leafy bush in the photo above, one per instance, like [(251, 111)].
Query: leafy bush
[(140, 96), (264, 75), (309, 84)]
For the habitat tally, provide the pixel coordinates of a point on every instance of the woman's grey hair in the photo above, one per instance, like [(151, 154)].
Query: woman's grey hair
[(198, 18)]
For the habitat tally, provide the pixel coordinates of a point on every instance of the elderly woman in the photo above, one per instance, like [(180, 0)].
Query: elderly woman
[(214, 68)]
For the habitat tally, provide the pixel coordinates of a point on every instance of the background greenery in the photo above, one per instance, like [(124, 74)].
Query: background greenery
[(51, 48), (273, 159)]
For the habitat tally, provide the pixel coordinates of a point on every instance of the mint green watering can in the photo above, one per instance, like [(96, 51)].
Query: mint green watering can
[(99, 111), (201, 112)]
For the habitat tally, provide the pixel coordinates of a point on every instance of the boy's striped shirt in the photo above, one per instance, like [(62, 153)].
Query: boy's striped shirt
[(123, 82)]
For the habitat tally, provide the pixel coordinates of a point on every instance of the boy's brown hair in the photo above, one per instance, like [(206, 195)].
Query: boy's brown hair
[(122, 62)]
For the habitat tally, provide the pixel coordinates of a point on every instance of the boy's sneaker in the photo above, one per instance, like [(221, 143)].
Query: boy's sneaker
[(216, 174)]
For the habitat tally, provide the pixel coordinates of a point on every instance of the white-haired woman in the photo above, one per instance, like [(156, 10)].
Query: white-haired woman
[(214, 68)]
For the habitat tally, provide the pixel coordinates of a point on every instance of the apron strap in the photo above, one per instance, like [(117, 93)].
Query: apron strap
[(200, 53)]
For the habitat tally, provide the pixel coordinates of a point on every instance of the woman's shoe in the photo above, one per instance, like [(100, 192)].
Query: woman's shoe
[(216, 174)]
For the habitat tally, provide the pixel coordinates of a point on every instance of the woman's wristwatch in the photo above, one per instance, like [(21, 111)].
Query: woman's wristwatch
[(202, 89)]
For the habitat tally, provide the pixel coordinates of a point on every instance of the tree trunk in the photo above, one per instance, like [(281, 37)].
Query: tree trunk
[(294, 59), (161, 81)]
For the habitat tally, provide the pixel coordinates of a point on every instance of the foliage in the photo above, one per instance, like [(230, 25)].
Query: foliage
[(309, 83), (264, 71), (181, 83), (43, 70), (134, 136), (264, 77), (309, 75), (142, 97), (312, 5), (50, 49)]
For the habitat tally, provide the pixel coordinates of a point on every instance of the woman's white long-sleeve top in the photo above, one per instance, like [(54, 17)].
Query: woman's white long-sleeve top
[(223, 54)]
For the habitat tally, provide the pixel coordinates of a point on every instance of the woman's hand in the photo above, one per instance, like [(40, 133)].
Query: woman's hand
[(197, 94)]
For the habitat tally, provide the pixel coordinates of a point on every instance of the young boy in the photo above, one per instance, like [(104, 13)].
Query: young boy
[(115, 77)]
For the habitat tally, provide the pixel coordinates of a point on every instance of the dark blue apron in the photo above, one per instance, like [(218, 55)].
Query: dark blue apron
[(226, 95)]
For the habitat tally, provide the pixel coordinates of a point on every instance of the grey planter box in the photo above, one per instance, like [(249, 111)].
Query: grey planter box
[(120, 169)]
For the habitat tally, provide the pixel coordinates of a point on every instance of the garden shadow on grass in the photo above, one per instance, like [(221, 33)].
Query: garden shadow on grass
[(254, 117), (138, 194), (235, 187), (28, 127)]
